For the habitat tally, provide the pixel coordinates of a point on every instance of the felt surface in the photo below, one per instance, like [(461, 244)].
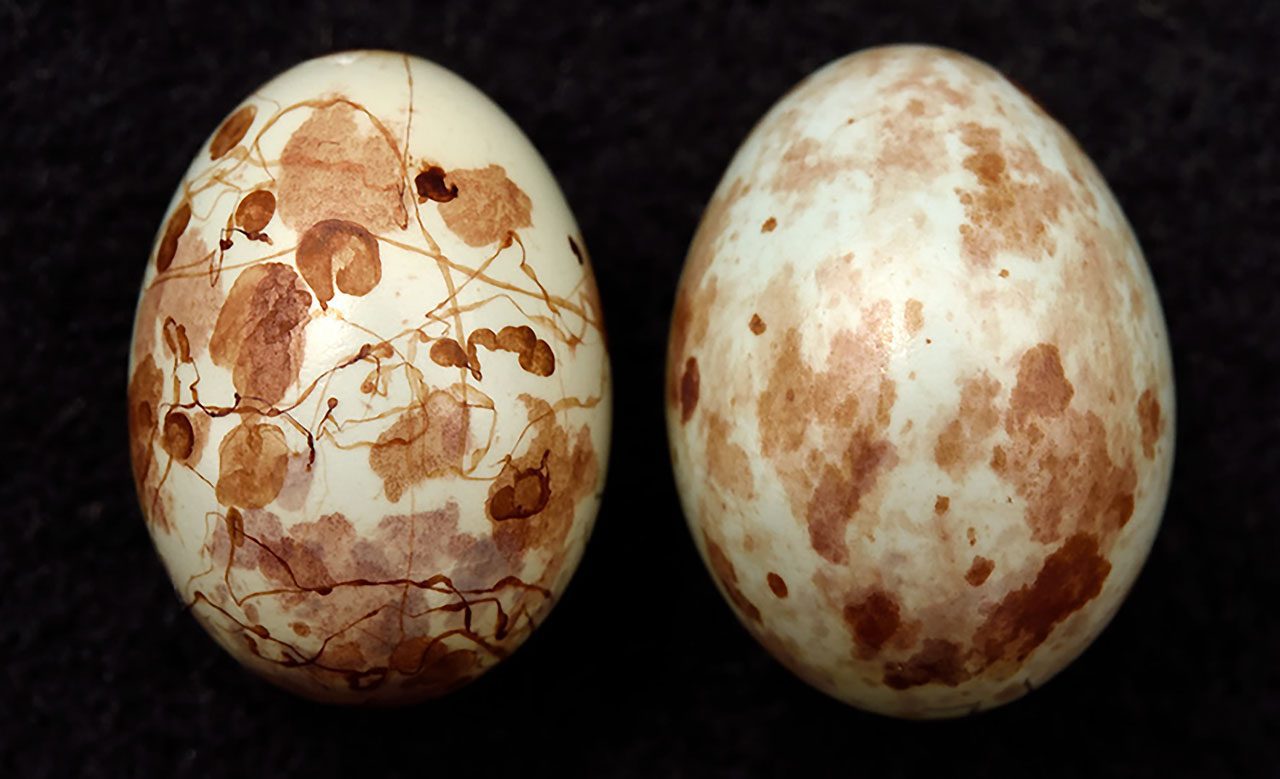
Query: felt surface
[(641, 670)]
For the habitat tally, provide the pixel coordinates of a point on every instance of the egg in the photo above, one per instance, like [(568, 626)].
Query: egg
[(919, 392), (369, 391)]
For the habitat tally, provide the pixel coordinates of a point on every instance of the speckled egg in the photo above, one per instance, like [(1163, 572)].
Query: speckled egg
[(369, 394), (920, 400)]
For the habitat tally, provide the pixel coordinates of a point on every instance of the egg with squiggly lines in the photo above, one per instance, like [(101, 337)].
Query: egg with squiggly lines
[(920, 396), (369, 391)]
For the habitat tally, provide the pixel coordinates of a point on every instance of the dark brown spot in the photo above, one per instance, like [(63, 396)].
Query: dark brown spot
[(176, 226), (1004, 273), (941, 505), (756, 324), (533, 354), (345, 250), (979, 571), (1152, 424), (577, 252), (431, 185), (448, 353), (178, 438), (232, 131), (769, 225), (777, 585), (938, 662), (724, 571), (1069, 578), (689, 389), (525, 496), (873, 620), (255, 211), (252, 461)]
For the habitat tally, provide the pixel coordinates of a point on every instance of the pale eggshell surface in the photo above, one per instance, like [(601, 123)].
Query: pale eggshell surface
[(920, 398), (369, 392)]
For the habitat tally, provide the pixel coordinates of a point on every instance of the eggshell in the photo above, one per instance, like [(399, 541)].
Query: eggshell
[(369, 395), (919, 400)]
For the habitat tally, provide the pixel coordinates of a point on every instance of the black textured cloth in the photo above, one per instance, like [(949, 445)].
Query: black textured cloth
[(641, 670)]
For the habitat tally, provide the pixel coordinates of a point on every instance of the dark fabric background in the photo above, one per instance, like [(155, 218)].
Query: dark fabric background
[(641, 670)]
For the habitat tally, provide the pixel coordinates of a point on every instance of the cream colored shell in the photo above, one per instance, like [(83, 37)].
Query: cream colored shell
[(920, 400), (369, 390)]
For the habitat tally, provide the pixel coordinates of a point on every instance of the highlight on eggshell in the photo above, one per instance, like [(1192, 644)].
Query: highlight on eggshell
[(369, 392), (919, 392)]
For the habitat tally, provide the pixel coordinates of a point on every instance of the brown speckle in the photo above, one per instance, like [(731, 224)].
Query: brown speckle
[(769, 225), (1004, 273), (756, 325), (972, 534), (777, 585), (979, 570), (914, 316), (942, 505)]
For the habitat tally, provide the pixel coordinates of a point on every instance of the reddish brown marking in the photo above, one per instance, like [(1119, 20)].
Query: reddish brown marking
[(525, 496), (689, 389), (259, 332), (345, 250), (839, 494), (489, 207), (804, 165), (577, 251), (972, 535), (146, 387), (252, 461), (938, 662), (1149, 419), (873, 620), (428, 440), (979, 570), (1042, 388), (769, 225), (1004, 273), (728, 466), (941, 505), (958, 446), (777, 585), (232, 131), (756, 324), (1069, 578), (178, 438), (448, 353), (431, 185), (723, 569), (255, 211), (173, 230), (914, 316)]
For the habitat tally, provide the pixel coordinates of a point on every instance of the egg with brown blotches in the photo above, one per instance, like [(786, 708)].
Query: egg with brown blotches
[(919, 390), (369, 393)]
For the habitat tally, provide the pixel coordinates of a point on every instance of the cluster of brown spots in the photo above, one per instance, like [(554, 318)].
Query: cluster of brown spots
[(938, 662), (838, 495), (769, 225), (1149, 419), (252, 461), (339, 165), (805, 165), (334, 249), (431, 185), (911, 145), (689, 387), (913, 316), (927, 80), (979, 570), (259, 332), (534, 499), (232, 131), (1070, 577), (873, 620), (728, 466), (255, 212), (1006, 213), (426, 441), (173, 230), (488, 208), (756, 325), (722, 567), (533, 354), (958, 446), (777, 585)]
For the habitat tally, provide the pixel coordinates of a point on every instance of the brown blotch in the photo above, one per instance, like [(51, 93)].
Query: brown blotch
[(448, 353), (260, 329), (689, 389), (769, 225), (958, 446), (232, 131), (839, 494), (431, 185), (938, 662), (255, 211), (345, 251), (577, 251), (146, 387), (339, 165), (1069, 578), (777, 584), (1152, 424), (942, 505), (428, 440), (252, 461), (914, 316), (488, 208), (1042, 388), (178, 437), (723, 569), (979, 570), (873, 620), (173, 230), (528, 493), (804, 165), (534, 355), (728, 466), (756, 324)]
